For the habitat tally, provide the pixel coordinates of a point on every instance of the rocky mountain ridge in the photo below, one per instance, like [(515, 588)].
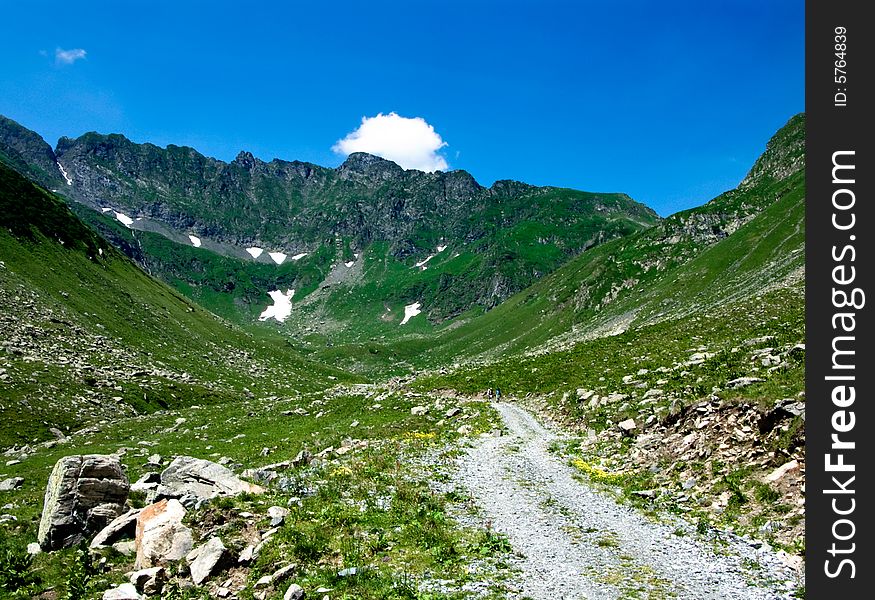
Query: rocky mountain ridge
[(507, 235)]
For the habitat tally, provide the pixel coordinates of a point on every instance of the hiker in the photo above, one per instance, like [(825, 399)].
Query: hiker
[(498, 393)]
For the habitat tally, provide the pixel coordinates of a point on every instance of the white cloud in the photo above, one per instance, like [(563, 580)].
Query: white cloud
[(412, 143), (68, 57)]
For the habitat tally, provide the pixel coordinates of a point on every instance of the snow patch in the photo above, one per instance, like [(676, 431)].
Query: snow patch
[(278, 257), (421, 264), (255, 252), (124, 219), (349, 264), (64, 173), (299, 256), (410, 311), (282, 306), (105, 210), (195, 241)]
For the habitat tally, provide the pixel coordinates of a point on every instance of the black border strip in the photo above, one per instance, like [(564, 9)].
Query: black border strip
[(839, 113)]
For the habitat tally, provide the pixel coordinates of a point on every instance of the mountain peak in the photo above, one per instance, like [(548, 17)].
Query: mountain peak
[(246, 159), (784, 155), (362, 163)]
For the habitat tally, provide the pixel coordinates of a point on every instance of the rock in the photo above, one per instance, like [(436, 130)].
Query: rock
[(204, 559), (125, 591), (584, 394), (247, 554), (149, 581), (204, 479), (125, 548), (282, 573), (154, 460), (122, 526), (161, 536), (83, 495), (33, 548), (302, 458), (277, 515), (452, 412), (57, 433), (781, 471), (13, 483), (742, 382), (419, 410), (146, 483), (464, 430), (627, 426), (295, 592)]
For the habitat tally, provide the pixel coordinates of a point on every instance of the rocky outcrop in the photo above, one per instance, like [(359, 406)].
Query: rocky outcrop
[(83, 495)]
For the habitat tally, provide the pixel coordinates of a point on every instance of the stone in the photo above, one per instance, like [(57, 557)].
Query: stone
[(154, 460), (295, 592), (125, 548), (247, 554), (277, 515), (122, 526), (282, 573), (204, 559), (627, 426), (161, 536), (13, 483), (781, 471), (464, 430), (204, 479), (84, 493), (452, 412), (302, 458), (742, 382), (33, 548), (149, 581), (125, 591), (419, 410), (146, 483)]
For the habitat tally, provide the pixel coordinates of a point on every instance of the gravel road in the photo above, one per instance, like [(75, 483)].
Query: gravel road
[(575, 542)]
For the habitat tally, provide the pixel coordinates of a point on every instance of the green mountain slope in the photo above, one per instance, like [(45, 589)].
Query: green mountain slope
[(88, 336), (739, 244)]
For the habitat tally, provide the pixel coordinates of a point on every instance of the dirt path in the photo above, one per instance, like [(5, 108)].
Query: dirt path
[(575, 542)]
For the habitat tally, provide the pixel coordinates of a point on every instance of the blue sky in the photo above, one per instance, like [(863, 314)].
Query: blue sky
[(670, 102)]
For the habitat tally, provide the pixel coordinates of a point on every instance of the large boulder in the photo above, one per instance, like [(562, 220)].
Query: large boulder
[(202, 478), (161, 536), (83, 495)]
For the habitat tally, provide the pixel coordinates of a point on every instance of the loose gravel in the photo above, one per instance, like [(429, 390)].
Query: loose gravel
[(575, 542)]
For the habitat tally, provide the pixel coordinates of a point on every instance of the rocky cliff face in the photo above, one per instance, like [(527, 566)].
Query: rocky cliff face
[(29, 154)]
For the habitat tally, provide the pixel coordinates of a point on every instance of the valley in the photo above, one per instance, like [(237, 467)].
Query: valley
[(334, 337)]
